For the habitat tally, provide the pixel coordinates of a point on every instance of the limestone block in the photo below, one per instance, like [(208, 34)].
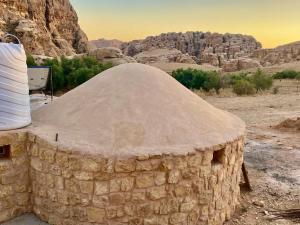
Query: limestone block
[(156, 193), (101, 188), (17, 149), (95, 215), (207, 158), (86, 187), (100, 201), (90, 165), (138, 196), (36, 164), (160, 178), (173, 176), (145, 180), (178, 218), (143, 165), (125, 165), (82, 175)]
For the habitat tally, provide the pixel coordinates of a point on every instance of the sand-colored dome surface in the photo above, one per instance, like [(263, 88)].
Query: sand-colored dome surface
[(135, 109)]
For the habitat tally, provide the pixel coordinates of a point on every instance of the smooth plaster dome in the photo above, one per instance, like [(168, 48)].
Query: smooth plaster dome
[(135, 109)]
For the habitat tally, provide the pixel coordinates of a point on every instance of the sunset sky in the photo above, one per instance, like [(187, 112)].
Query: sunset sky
[(272, 22)]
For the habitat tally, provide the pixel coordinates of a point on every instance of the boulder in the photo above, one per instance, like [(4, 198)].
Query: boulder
[(110, 54), (163, 55), (240, 64)]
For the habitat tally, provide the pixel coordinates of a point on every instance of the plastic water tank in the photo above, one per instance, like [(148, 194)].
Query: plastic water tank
[(14, 91)]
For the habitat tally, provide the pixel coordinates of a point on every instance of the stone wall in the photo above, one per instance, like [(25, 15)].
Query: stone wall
[(14, 177), (69, 188)]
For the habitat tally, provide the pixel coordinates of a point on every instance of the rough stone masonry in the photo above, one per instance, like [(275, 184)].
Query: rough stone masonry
[(61, 187)]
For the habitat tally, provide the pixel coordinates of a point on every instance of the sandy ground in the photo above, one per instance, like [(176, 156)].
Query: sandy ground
[(272, 157)]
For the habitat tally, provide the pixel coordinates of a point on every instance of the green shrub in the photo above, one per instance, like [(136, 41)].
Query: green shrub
[(30, 61), (261, 81), (70, 73), (286, 74), (213, 81), (198, 79), (243, 87), (229, 80)]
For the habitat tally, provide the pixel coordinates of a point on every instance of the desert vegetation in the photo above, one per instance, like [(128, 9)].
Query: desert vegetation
[(287, 74), (241, 83), (70, 73)]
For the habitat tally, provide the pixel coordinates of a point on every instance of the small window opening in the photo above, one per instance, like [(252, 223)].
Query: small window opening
[(219, 156), (5, 152)]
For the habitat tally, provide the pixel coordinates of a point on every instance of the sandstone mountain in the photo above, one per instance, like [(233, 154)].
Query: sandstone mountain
[(212, 48), (103, 43), (45, 27), (282, 54)]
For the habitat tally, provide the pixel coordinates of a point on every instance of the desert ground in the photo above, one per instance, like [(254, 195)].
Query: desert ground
[(272, 156)]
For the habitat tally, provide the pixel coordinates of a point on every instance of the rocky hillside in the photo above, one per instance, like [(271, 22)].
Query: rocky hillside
[(212, 48), (103, 43), (45, 27), (282, 54)]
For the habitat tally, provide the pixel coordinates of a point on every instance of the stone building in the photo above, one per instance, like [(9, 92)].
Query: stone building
[(130, 146)]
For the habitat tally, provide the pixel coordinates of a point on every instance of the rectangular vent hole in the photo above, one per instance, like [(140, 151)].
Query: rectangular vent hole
[(5, 152), (219, 157)]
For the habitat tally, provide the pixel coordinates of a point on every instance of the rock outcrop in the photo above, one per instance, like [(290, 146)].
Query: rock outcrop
[(282, 54), (45, 27), (112, 55), (103, 43), (240, 64), (212, 48), (163, 55)]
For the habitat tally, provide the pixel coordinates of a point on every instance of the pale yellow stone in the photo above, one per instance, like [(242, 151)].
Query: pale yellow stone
[(82, 175), (86, 187), (125, 165), (156, 193), (174, 176), (90, 165), (178, 218), (145, 180), (95, 215), (101, 188), (36, 164)]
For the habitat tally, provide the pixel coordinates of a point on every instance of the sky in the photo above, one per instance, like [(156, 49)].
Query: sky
[(272, 22)]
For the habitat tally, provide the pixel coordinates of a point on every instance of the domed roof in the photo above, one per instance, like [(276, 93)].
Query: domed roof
[(135, 109)]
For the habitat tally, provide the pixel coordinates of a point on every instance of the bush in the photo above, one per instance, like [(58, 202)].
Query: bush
[(229, 80), (287, 74), (243, 87), (262, 81), (213, 81), (30, 61), (69, 73), (198, 79)]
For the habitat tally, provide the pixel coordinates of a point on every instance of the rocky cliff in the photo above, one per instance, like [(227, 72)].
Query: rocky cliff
[(282, 54), (212, 48), (45, 27)]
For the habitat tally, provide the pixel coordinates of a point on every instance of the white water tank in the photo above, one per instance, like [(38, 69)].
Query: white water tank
[(14, 91)]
